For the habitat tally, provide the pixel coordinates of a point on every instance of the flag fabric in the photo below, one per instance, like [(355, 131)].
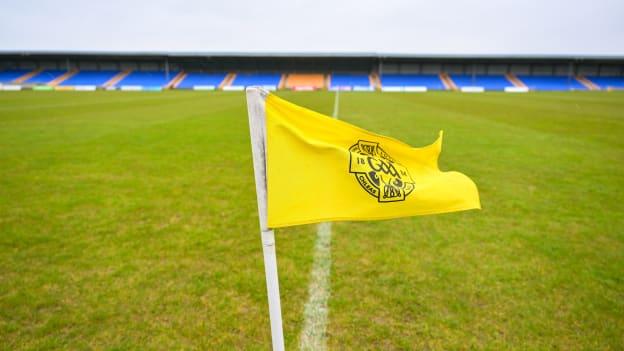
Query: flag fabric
[(322, 169)]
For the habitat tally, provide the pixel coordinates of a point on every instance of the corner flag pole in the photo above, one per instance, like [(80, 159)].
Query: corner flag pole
[(257, 129)]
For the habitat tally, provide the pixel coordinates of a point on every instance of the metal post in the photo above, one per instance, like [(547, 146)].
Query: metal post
[(474, 73), (167, 68), (256, 109)]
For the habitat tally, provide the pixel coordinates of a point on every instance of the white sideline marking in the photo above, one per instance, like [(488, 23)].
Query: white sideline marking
[(314, 333), (336, 104)]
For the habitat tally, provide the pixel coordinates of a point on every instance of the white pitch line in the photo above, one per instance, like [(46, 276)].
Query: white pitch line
[(314, 333), (336, 104)]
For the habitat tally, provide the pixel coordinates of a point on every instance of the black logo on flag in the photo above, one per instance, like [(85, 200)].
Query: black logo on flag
[(378, 173)]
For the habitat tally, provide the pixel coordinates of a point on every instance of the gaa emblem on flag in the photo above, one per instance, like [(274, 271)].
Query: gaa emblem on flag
[(378, 173)]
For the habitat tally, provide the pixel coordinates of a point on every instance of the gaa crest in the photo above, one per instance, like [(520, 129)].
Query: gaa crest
[(378, 173)]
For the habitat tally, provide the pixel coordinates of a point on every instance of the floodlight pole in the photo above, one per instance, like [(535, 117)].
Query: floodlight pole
[(167, 68), (257, 129)]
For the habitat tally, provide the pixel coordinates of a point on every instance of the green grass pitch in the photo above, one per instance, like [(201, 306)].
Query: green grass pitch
[(128, 222)]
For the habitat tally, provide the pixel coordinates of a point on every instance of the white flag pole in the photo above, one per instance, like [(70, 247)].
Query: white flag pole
[(256, 109)]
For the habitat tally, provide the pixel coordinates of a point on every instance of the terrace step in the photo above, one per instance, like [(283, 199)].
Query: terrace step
[(227, 81), (375, 81), (515, 80), (27, 76), (117, 78), (282, 82), (587, 83), (176, 80), (448, 82), (64, 77)]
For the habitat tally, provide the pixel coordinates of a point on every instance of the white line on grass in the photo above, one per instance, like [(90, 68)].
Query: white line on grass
[(336, 103), (314, 333)]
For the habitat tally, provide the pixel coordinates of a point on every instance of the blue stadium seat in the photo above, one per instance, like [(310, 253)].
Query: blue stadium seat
[(146, 79), (97, 78), (349, 81), (257, 79), (608, 82), (201, 79), (45, 76), (494, 82), (431, 81), (10, 75), (551, 83)]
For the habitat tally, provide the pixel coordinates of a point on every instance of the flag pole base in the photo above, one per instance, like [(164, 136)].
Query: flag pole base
[(270, 270)]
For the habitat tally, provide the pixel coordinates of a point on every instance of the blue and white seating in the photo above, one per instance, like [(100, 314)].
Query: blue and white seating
[(201, 81), (486, 82), (45, 77), (607, 82), (345, 81), (10, 75), (551, 83), (269, 81), (139, 80), (411, 82), (89, 78)]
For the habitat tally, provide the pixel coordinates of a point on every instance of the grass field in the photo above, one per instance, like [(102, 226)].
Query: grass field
[(128, 222)]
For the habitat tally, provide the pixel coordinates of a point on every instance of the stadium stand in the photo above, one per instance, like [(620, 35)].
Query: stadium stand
[(27, 76), (607, 83), (390, 82), (95, 78), (552, 83), (303, 81), (9, 76), (45, 77), (49, 71), (269, 81), (145, 80), (111, 83), (342, 81), (60, 79), (487, 82), (199, 81)]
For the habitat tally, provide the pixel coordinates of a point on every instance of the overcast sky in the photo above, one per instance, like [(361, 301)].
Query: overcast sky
[(554, 27)]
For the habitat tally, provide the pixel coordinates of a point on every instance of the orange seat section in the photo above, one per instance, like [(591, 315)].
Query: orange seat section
[(305, 81)]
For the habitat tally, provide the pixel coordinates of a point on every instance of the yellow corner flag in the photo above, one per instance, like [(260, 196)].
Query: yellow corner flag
[(322, 169)]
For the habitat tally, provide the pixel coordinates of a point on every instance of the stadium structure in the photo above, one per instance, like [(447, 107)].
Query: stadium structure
[(88, 71)]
